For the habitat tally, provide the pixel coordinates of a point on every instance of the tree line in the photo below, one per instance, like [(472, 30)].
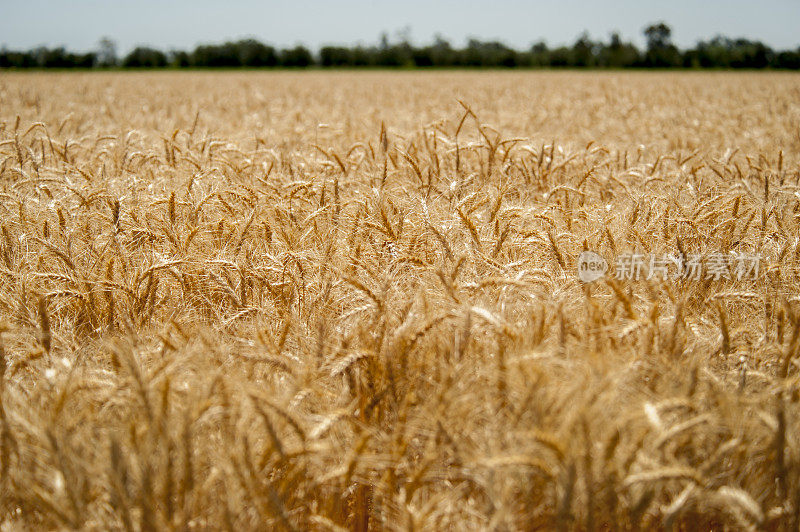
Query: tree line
[(660, 52)]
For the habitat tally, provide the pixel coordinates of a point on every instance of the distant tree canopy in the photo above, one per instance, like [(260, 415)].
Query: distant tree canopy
[(245, 53), (298, 56), (106, 53), (46, 58), (718, 52), (661, 53), (144, 57)]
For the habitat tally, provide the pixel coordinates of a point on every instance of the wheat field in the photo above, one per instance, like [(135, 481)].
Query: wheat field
[(326, 301)]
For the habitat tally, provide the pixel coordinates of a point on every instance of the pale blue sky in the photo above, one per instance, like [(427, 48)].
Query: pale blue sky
[(78, 24)]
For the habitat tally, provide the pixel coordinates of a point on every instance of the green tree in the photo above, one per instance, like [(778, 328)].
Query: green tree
[(442, 54), (660, 50), (539, 55), (335, 56), (618, 54), (583, 52), (252, 53), (299, 57), (145, 57), (180, 59)]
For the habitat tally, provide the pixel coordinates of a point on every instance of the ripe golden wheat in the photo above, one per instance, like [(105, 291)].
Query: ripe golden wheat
[(349, 301)]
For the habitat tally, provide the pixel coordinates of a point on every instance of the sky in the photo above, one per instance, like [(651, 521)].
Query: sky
[(182, 24)]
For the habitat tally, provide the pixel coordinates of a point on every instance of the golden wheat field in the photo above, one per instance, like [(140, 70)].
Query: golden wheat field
[(326, 301)]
